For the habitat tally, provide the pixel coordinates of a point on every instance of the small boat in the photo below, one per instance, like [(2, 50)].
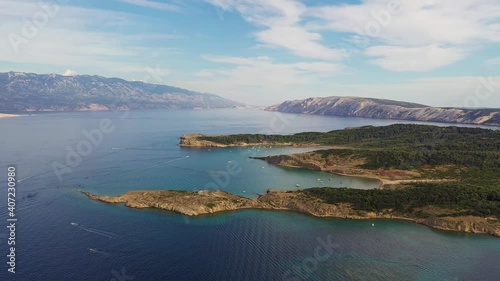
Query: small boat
[(74, 223), (297, 185), (373, 224), (262, 167)]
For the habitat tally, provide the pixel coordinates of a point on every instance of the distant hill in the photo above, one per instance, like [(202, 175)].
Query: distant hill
[(50, 92), (388, 109)]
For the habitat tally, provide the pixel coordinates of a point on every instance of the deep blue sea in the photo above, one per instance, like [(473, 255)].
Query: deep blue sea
[(62, 235)]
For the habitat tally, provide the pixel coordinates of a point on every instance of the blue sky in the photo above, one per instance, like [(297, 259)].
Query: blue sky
[(436, 52)]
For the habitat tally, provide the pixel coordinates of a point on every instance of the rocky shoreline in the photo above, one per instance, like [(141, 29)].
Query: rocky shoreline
[(209, 202), (346, 166), (195, 140), (3, 115), (388, 109)]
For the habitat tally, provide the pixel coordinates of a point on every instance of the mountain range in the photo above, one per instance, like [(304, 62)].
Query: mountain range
[(21, 91), (388, 109)]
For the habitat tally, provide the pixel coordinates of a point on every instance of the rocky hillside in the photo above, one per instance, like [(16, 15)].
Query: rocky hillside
[(50, 92), (388, 109)]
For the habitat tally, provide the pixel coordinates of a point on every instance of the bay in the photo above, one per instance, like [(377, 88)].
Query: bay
[(61, 235)]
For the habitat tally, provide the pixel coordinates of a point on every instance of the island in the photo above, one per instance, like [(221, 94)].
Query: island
[(388, 109), (307, 201), (444, 177)]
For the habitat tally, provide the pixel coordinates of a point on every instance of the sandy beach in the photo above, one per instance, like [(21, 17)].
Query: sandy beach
[(3, 115)]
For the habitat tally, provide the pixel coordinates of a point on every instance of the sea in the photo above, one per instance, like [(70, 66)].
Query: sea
[(60, 234)]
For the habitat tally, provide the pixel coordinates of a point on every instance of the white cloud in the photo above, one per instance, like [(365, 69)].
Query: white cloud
[(417, 59), (260, 79), (282, 27), (265, 66), (462, 91), (92, 40), (70, 72), (204, 74), (411, 38), (444, 31), (417, 23), (151, 4)]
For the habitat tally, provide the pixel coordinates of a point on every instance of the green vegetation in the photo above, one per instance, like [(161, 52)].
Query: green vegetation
[(402, 146), (465, 199), (210, 205), (393, 136), (469, 156), (411, 159)]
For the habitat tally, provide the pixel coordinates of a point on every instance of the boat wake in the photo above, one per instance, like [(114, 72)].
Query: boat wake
[(96, 231), (99, 252), (162, 163)]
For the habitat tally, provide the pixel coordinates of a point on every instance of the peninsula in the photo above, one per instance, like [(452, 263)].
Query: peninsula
[(308, 201), (388, 109), (443, 177)]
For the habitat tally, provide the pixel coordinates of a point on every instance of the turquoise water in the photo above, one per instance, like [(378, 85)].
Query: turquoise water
[(142, 153)]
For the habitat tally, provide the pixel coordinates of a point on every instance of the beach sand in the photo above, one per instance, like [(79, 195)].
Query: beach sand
[(3, 115)]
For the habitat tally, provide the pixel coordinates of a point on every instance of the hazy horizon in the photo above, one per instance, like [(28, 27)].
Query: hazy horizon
[(437, 53)]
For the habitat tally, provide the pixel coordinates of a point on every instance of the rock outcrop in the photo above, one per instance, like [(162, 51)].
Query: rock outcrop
[(208, 202), (388, 109)]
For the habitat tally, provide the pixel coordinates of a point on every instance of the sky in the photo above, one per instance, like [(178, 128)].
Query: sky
[(263, 52)]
